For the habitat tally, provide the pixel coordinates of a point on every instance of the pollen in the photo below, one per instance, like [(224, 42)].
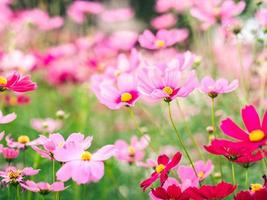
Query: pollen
[(131, 150), (23, 139), (86, 156), (160, 168), (126, 97), (160, 43), (255, 187), (3, 80), (201, 175), (168, 90), (256, 135), (14, 174)]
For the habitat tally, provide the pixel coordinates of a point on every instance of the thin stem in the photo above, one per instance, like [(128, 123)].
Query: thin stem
[(189, 131), (53, 170), (233, 173), (213, 115), (180, 140), (246, 177), (18, 192)]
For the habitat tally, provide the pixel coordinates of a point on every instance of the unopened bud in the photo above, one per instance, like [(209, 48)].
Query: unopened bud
[(210, 129)]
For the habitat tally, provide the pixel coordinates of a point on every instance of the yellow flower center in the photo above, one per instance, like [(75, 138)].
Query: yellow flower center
[(168, 90), (216, 11), (256, 135), (3, 80), (14, 174), (201, 175), (159, 43), (86, 155), (255, 187), (160, 168), (126, 96), (131, 150), (23, 139)]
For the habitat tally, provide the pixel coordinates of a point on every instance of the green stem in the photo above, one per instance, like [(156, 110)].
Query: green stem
[(53, 170), (246, 177), (233, 173), (18, 192), (213, 115), (180, 140)]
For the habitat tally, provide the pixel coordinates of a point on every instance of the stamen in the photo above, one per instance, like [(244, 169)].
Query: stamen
[(3, 80), (86, 156), (23, 139), (256, 135), (160, 43), (168, 90), (160, 168), (255, 187), (126, 97)]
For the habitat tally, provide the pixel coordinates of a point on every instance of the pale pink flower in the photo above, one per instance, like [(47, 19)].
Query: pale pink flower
[(176, 5), (115, 95), (81, 165), (117, 15), (162, 39), (166, 84), (215, 87), (211, 12), (5, 119), (187, 174), (261, 16), (132, 152), (46, 146), (43, 187), (2, 134), (164, 21), (9, 153), (123, 40), (23, 141), (47, 125), (12, 175)]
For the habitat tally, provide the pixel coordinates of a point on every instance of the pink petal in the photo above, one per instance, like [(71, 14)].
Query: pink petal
[(232, 130), (104, 153), (251, 118)]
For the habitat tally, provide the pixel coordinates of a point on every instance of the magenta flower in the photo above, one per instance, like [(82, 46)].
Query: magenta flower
[(47, 125), (46, 146), (132, 152), (256, 133), (9, 153), (43, 187), (220, 86), (5, 119), (164, 21), (222, 11), (203, 171), (17, 83), (81, 165), (12, 175), (162, 39), (166, 84), (114, 96)]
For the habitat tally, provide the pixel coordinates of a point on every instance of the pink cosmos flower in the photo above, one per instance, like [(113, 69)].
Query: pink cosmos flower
[(261, 16), (210, 12), (256, 133), (5, 119), (122, 40), (22, 142), (43, 187), (220, 86), (17, 83), (47, 146), (176, 5), (2, 134), (12, 175), (203, 171), (81, 165), (116, 15), (47, 125), (132, 152), (115, 95), (166, 84), (162, 39), (164, 21), (9, 153)]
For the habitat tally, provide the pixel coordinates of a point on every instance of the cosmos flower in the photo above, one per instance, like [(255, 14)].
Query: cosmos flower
[(161, 170), (47, 125), (43, 187), (9, 153), (164, 21), (220, 86), (162, 39), (22, 142)]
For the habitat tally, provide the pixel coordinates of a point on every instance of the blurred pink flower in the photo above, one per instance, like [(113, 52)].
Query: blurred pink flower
[(78, 9), (166, 84), (203, 170), (132, 152), (12, 175), (116, 15), (162, 39), (9, 153), (261, 16), (222, 11), (5, 119), (80, 165), (123, 40), (164, 21), (116, 95), (17, 83), (176, 5), (22, 142), (47, 125), (43, 187), (215, 87)]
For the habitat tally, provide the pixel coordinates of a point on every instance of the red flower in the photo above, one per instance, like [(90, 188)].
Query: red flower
[(238, 152), (256, 131), (17, 83), (256, 192), (172, 192), (162, 169), (219, 191)]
